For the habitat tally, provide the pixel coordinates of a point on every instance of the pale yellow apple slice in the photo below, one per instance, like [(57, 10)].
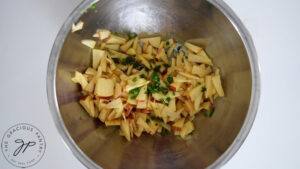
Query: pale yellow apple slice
[(104, 114), (178, 125), (114, 39), (125, 129), (97, 56), (115, 104), (179, 59), (209, 86), (116, 122), (142, 98), (192, 47), (200, 58), (127, 45), (154, 41), (103, 34), (104, 87), (217, 84), (88, 104), (188, 127), (195, 92), (79, 78), (131, 51), (170, 51), (90, 87), (175, 86), (112, 46), (77, 27), (201, 70), (135, 43), (89, 43)]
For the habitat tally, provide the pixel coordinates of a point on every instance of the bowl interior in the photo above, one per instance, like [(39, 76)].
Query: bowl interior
[(195, 20)]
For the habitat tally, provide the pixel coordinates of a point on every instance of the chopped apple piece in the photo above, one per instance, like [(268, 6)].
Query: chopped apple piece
[(197, 102), (90, 87), (170, 51), (175, 86), (79, 78), (118, 91), (187, 129), (154, 41), (142, 98), (104, 114), (104, 87), (179, 60), (188, 106), (132, 85), (103, 34), (127, 45), (195, 92), (89, 43), (135, 43), (125, 129), (201, 70), (131, 51), (217, 84), (201, 58), (187, 65), (116, 122), (189, 76), (103, 64), (88, 104), (192, 47), (77, 27), (145, 62), (209, 86), (144, 125), (162, 55), (112, 46), (97, 56), (169, 42), (90, 71), (115, 104), (115, 39), (178, 125), (206, 106)]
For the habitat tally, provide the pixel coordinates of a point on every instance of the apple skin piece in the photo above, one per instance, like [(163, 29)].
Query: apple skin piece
[(127, 45), (154, 41), (89, 43), (194, 48), (103, 34), (125, 129), (79, 78), (200, 58), (104, 87), (97, 56), (88, 104), (175, 86), (77, 27), (114, 39), (217, 84)]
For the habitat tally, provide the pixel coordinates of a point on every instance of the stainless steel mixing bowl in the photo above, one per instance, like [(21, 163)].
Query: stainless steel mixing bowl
[(209, 23)]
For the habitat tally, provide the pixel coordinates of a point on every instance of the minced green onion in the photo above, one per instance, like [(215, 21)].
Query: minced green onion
[(211, 113), (203, 89), (153, 117), (134, 79), (168, 99), (170, 79), (164, 90), (147, 121)]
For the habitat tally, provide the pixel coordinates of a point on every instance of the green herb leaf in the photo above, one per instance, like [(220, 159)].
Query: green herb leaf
[(211, 113), (155, 77), (162, 100), (164, 132), (116, 60), (128, 60), (143, 76), (164, 90), (153, 117), (156, 69), (152, 60), (134, 93), (168, 99), (203, 89), (173, 93), (147, 121), (170, 79), (167, 43), (84, 11), (93, 5), (199, 83), (134, 79), (179, 47), (166, 65)]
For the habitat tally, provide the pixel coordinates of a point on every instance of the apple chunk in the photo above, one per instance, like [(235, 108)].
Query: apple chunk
[(142, 98), (79, 78), (115, 40), (89, 43), (192, 47), (103, 34), (154, 41), (200, 58), (218, 86), (88, 104), (104, 87), (97, 56)]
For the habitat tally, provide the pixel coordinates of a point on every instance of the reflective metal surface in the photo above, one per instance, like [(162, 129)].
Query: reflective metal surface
[(210, 24)]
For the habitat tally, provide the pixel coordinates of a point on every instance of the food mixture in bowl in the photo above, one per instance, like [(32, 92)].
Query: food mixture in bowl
[(147, 84)]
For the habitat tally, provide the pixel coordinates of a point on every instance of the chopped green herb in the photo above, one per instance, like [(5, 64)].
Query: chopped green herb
[(147, 121), (143, 76), (162, 100), (156, 124), (211, 113), (131, 35), (116, 60), (155, 77), (153, 117), (167, 43), (173, 93), (138, 66), (203, 89), (199, 83), (128, 60), (167, 84), (134, 93), (164, 132), (134, 79), (170, 79), (179, 47), (84, 11), (168, 99), (93, 5), (146, 69), (152, 60), (166, 65), (205, 115), (156, 69), (164, 90), (191, 133)]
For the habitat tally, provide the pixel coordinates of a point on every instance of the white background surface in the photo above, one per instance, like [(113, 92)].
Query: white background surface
[(28, 29)]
